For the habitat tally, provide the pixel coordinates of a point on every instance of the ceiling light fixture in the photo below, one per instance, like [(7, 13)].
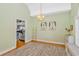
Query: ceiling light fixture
[(40, 16)]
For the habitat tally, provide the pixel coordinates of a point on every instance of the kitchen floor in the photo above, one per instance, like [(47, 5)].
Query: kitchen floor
[(38, 49)]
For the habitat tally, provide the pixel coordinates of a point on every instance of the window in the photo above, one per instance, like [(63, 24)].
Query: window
[(77, 29)]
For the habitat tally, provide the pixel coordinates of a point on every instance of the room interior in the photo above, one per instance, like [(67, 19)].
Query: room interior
[(39, 29)]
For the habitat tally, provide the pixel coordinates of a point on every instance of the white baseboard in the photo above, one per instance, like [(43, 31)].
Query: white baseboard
[(9, 49), (28, 41), (48, 41), (1, 53)]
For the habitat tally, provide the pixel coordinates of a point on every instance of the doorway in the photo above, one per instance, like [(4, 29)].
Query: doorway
[(20, 31)]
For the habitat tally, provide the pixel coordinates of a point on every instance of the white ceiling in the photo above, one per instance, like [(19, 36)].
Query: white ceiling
[(48, 7)]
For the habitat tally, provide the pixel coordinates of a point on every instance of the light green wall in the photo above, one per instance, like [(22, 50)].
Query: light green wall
[(62, 19), (8, 15)]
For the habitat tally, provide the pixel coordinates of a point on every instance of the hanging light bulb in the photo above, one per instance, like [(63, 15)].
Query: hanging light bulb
[(40, 16)]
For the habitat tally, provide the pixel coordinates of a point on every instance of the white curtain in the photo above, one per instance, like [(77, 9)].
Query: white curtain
[(77, 31)]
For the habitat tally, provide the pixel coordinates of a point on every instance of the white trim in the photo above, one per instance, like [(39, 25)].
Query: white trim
[(7, 50), (50, 41), (28, 41)]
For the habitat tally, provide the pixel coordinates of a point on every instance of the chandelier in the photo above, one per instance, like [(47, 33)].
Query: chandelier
[(40, 16)]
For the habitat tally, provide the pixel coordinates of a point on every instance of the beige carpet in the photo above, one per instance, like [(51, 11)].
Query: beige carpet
[(38, 49)]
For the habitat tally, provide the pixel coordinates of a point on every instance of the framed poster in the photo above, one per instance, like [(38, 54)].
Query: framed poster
[(52, 25), (43, 25)]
